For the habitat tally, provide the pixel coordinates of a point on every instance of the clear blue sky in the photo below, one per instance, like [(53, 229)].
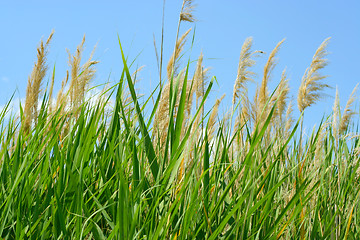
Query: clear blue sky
[(221, 29)]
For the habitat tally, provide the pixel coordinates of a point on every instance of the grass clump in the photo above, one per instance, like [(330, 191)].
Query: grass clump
[(75, 169)]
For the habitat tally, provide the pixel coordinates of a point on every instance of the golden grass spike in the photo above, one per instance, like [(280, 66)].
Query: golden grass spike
[(336, 115), (212, 118), (74, 63), (311, 86), (288, 118), (161, 119), (80, 75), (186, 13), (51, 92), (348, 113), (281, 95), (172, 66), (269, 66), (60, 96), (199, 78), (243, 74), (34, 84)]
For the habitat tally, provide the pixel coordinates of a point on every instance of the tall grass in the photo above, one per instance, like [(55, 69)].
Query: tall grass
[(82, 169)]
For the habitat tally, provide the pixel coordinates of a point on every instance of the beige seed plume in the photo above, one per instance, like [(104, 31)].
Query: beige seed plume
[(80, 75), (199, 78), (186, 12), (336, 115), (243, 74), (269, 66), (172, 66), (281, 95), (60, 99), (309, 91), (212, 118), (51, 91), (348, 113), (34, 84), (288, 118)]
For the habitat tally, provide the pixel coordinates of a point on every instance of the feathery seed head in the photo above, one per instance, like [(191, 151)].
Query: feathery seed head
[(336, 115), (281, 95), (348, 113), (172, 64), (213, 115), (311, 86), (269, 66), (243, 74), (34, 83), (187, 10)]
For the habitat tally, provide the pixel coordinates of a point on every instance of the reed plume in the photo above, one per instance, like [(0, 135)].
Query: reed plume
[(186, 11), (348, 113), (60, 99), (311, 85), (336, 115), (262, 93), (269, 66), (281, 96), (199, 79), (34, 84), (243, 73), (213, 116), (51, 91), (172, 66), (80, 75), (289, 121)]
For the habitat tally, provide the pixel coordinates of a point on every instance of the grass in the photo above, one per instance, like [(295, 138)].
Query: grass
[(82, 169)]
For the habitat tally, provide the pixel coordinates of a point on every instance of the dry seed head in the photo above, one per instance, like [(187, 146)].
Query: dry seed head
[(336, 115), (186, 13), (281, 94), (161, 119), (243, 74), (51, 91), (311, 86), (269, 66), (34, 83), (172, 66), (348, 113), (80, 75), (213, 115), (288, 118), (199, 78)]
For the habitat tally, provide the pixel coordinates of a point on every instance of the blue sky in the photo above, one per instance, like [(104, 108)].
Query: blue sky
[(221, 29)]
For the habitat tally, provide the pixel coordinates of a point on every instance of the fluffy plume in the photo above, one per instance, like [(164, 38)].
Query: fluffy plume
[(288, 118), (172, 66), (199, 78), (186, 12), (60, 99), (212, 118), (34, 84), (311, 85), (336, 115), (281, 95), (269, 66), (348, 113), (243, 74), (80, 75)]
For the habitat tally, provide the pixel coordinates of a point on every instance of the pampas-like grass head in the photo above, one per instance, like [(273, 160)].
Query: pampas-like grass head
[(348, 113), (172, 64), (34, 84), (311, 85), (186, 13), (80, 75), (243, 72)]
